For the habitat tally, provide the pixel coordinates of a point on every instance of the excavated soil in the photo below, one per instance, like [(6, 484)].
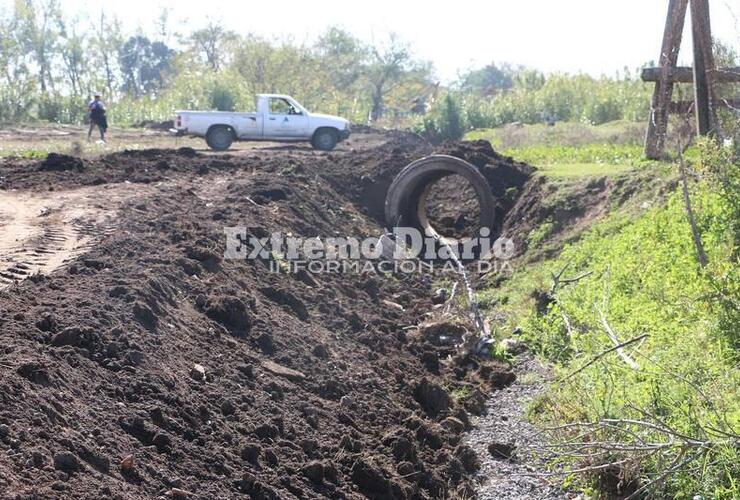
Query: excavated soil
[(136, 362)]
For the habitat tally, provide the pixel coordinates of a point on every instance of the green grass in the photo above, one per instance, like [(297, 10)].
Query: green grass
[(571, 149), (583, 169), (645, 280), (562, 134)]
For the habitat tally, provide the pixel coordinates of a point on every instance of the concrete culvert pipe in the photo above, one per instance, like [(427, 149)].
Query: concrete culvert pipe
[(407, 197)]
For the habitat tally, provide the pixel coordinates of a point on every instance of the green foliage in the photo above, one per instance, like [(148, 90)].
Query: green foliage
[(222, 97), (646, 280), (32, 154), (144, 65), (61, 109), (539, 234), (488, 80), (445, 122), (563, 97), (722, 169)]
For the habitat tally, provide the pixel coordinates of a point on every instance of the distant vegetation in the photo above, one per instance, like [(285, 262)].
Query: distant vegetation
[(54, 60)]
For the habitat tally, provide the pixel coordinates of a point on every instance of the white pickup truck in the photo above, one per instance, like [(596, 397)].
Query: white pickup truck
[(278, 118)]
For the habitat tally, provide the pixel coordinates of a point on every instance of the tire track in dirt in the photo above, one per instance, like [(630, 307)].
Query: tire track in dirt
[(41, 232)]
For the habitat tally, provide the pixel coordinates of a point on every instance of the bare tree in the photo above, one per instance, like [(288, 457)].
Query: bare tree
[(385, 70), (212, 42), (39, 24), (106, 43)]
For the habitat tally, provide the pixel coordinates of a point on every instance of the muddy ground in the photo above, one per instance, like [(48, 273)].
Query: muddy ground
[(135, 361)]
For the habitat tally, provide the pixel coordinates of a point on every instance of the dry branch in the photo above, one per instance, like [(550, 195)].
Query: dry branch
[(701, 254), (604, 353), (618, 346)]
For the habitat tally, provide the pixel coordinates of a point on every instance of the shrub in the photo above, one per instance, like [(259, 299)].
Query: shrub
[(222, 97), (446, 121)]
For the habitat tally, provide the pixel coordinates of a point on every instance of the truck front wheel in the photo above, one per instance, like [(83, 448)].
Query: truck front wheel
[(325, 139), (219, 138)]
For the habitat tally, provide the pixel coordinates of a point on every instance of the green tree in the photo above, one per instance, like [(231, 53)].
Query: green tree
[(105, 43), (72, 47), (387, 66), (488, 80), (144, 64), (344, 55)]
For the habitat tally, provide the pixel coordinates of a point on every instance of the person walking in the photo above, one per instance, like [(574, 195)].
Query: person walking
[(96, 111)]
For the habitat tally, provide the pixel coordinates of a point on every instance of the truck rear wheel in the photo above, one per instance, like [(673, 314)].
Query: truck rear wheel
[(325, 139), (219, 138)]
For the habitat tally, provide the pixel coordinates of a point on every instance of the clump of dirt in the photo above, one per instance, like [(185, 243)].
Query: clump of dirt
[(152, 365), (60, 162)]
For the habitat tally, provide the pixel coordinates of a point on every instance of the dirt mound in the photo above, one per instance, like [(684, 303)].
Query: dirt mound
[(365, 178), (60, 162), (506, 176), (561, 212), (152, 125), (152, 365)]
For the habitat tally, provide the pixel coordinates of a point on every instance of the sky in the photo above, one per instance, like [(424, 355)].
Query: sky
[(590, 36)]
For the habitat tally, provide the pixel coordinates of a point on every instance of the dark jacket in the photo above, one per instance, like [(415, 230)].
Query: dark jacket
[(97, 114)]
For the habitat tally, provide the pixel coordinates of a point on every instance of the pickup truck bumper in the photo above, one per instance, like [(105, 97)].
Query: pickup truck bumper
[(178, 132), (343, 134)]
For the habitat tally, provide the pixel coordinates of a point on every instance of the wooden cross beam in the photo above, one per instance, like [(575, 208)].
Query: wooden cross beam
[(684, 74), (703, 75)]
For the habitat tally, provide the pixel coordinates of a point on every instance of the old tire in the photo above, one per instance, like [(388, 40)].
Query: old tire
[(219, 138), (325, 139), (405, 201)]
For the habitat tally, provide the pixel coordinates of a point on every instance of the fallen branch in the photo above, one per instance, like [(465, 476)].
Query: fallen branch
[(615, 340), (677, 451), (604, 353), (558, 280), (700, 253)]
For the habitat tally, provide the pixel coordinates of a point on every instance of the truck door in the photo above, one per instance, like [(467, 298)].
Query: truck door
[(248, 125), (284, 119)]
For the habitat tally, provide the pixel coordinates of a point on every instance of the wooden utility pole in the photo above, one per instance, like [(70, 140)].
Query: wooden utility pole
[(660, 104), (704, 75)]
